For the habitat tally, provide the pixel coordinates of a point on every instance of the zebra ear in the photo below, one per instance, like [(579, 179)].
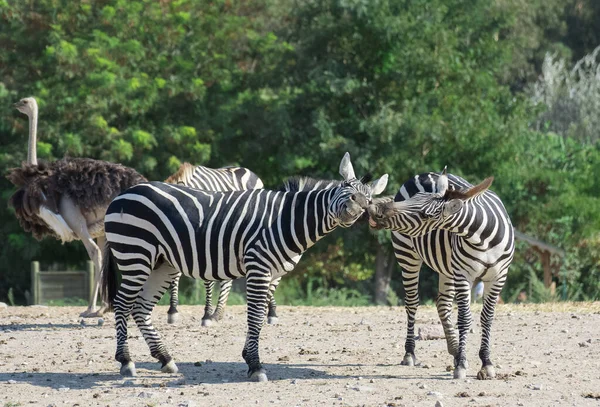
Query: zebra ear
[(472, 192), (378, 186), (346, 169), (452, 206), (442, 184)]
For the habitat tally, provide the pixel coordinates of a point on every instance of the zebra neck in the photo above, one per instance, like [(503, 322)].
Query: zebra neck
[(481, 223), (305, 219), (469, 223)]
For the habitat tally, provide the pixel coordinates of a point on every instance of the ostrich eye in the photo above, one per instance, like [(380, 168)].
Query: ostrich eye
[(25, 101)]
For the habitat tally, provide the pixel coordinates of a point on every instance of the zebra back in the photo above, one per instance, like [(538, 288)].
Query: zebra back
[(216, 179)]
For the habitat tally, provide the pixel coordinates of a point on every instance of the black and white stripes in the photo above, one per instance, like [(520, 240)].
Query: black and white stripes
[(462, 232), (218, 180), (156, 231)]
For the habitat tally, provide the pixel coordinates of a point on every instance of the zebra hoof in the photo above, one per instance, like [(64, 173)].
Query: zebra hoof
[(170, 367), (207, 322), (409, 360), (128, 369), (259, 376), (272, 320), (460, 373), (486, 373), (173, 318)]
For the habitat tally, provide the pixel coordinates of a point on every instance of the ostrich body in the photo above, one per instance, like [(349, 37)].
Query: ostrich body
[(67, 198)]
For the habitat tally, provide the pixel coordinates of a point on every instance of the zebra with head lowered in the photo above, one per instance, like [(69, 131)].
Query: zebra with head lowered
[(156, 231), (462, 232), (218, 180)]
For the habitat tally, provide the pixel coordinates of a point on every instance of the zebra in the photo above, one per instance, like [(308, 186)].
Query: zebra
[(219, 180), (462, 232), (156, 231)]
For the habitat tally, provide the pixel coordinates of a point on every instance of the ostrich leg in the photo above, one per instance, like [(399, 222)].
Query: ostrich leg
[(79, 225)]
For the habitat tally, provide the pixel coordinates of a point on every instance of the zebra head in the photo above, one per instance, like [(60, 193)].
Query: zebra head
[(425, 211), (353, 196)]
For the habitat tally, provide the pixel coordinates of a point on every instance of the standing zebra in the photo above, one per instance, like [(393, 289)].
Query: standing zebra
[(218, 180), (462, 232), (156, 231)]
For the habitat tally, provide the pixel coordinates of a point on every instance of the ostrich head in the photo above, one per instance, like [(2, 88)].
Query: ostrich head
[(27, 106)]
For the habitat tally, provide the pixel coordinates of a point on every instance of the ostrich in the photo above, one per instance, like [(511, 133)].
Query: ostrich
[(67, 198)]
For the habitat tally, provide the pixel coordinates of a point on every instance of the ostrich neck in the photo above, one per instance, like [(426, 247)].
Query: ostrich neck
[(31, 148)]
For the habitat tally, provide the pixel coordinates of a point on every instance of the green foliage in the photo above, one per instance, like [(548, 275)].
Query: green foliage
[(285, 88)]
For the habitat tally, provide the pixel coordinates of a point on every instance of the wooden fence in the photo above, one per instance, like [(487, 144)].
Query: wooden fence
[(59, 285)]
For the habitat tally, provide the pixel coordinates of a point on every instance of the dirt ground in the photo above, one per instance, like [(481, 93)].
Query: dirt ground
[(545, 355)]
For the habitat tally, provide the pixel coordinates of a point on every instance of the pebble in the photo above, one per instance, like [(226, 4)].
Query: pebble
[(426, 366), (128, 383), (100, 321), (565, 331), (188, 403), (364, 389), (435, 394), (294, 381), (438, 404), (3, 305), (535, 387), (12, 382), (63, 388), (584, 344), (145, 395)]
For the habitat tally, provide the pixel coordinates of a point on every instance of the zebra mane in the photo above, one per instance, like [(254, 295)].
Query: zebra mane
[(297, 184)]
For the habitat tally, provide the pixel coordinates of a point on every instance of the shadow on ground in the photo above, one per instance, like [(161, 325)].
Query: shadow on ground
[(149, 375)]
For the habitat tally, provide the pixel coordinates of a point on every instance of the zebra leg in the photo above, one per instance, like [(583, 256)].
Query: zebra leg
[(410, 262), (463, 297), (444, 303), (154, 288), (257, 289), (272, 311), (490, 298), (134, 281), (208, 308), (222, 302), (172, 313)]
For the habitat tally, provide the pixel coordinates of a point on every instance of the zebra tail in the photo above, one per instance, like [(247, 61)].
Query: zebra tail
[(110, 278)]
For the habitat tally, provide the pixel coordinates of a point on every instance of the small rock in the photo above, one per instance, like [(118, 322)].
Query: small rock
[(564, 331), (429, 332), (63, 388), (337, 395), (435, 355), (435, 394), (364, 389), (535, 386), (188, 403), (482, 394), (498, 366), (438, 404), (128, 383), (575, 317), (426, 366), (145, 395), (82, 322), (583, 344), (449, 368), (12, 382), (197, 364), (3, 305), (294, 381), (100, 321), (422, 386)]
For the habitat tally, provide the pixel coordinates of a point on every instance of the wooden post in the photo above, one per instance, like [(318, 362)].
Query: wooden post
[(547, 269), (90, 280), (35, 282)]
